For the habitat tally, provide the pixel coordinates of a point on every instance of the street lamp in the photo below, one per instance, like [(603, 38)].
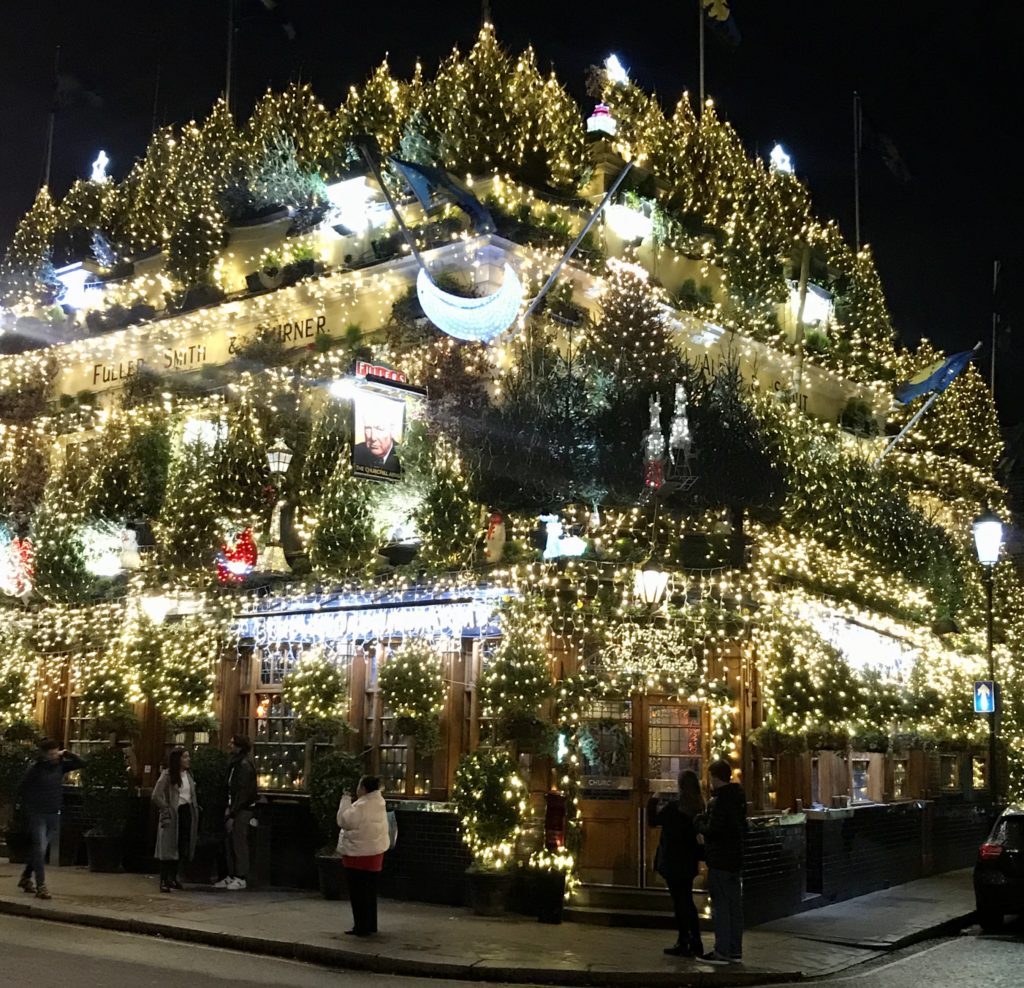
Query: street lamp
[(650, 584), (279, 458), (988, 539)]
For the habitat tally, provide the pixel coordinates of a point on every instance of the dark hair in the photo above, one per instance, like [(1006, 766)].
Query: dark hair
[(370, 783), (720, 769), (242, 742), (691, 801), (174, 766), (48, 744)]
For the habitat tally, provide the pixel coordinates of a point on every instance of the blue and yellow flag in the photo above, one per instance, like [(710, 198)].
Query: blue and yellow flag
[(935, 377)]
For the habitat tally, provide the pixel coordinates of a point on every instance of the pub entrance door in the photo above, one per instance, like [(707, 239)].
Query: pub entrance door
[(631, 749)]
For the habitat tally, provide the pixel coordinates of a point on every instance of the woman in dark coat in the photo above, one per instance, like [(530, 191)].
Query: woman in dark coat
[(677, 859), (174, 795)]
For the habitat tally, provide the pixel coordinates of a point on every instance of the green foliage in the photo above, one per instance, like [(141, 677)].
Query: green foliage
[(446, 519), (243, 472), (331, 775), (193, 248), (343, 538), (517, 681), (105, 791), (15, 759), (412, 684), (60, 573), (488, 796), (189, 527), (317, 691), (26, 272), (131, 474), (327, 446)]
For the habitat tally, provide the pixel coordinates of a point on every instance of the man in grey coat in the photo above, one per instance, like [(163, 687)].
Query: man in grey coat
[(238, 815)]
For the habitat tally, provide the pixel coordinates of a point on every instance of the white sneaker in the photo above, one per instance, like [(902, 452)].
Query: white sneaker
[(224, 883), (237, 885)]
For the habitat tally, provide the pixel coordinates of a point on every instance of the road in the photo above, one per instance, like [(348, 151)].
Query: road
[(971, 959), (38, 954)]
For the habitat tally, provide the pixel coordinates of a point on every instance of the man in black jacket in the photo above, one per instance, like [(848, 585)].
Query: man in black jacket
[(238, 815), (41, 794), (723, 828)]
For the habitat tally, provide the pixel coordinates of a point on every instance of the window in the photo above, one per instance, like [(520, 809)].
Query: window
[(476, 655), (860, 769), (82, 731), (899, 778), (281, 755), (769, 784), (949, 772)]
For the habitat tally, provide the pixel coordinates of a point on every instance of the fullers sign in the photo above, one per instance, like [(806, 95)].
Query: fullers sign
[(166, 352), (365, 369)]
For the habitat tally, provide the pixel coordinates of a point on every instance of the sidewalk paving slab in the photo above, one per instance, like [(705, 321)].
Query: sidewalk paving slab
[(452, 943)]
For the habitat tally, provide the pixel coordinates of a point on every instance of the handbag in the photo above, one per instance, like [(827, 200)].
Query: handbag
[(392, 830)]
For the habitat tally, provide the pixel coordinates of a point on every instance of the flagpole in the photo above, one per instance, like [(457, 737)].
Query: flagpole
[(700, 34), (995, 326), (856, 169), (917, 415), (910, 425), (48, 156), (230, 57)]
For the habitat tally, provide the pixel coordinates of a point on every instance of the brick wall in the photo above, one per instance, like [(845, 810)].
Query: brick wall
[(871, 848), (429, 860), (774, 857)]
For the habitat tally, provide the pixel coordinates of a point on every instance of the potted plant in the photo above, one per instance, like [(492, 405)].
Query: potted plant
[(329, 777), (412, 684), (105, 801), (490, 799), (210, 772), (512, 688), (548, 873)]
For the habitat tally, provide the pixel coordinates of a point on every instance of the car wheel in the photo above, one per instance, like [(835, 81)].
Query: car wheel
[(989, 918)]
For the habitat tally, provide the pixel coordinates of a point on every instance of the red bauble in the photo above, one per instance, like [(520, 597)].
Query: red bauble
[(236, 560)]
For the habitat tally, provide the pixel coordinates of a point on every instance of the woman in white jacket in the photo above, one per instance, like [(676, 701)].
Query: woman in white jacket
[(362, 843)]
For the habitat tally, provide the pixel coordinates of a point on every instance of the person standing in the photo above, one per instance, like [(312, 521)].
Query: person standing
[(362, 842), (677, 859), (238, 815), (723, 827), (41, 794), (174, 795)]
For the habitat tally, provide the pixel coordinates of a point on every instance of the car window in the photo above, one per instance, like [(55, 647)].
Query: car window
[(1010, 832)]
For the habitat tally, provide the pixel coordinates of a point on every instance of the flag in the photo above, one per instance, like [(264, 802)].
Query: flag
[(935, 377), (721, 22), (872, 139), (424, 180)]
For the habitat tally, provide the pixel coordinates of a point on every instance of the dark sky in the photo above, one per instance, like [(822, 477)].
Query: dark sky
[(943, 79)]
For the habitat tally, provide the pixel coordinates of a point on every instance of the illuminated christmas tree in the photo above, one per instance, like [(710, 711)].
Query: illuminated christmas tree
[(327, 446), (446, 519), (27, 270), (344, 537), (189, 527), (144, 209), (380, 107)]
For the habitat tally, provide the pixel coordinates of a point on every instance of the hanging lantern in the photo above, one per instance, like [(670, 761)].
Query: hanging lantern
[(650, 584), (279, 458)]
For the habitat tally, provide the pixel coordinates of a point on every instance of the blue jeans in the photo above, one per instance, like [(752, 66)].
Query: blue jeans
[(726, 888), (45, 831)]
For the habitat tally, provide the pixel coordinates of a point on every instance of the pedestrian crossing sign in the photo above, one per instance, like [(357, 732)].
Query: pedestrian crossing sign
[(984, 697)]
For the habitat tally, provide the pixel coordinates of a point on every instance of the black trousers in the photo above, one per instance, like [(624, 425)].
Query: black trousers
[(687, 920), (362, 892)]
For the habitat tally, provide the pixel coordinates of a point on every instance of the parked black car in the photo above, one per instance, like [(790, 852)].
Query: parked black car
[(999, 871)]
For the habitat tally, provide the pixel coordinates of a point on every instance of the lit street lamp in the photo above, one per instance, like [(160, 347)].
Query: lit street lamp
[(988, 539), (279, 458), (650, 584)]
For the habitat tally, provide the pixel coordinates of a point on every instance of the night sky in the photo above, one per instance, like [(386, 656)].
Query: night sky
[(942, 80)]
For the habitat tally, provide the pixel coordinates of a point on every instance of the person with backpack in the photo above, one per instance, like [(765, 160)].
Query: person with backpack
[(677, 859), (41, 795), (723, 828), (362, 842)]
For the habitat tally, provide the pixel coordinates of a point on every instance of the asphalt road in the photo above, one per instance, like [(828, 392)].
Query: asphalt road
[(39, 954), (971, 960)]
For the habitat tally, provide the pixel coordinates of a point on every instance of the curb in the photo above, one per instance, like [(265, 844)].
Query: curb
[(336, 957)]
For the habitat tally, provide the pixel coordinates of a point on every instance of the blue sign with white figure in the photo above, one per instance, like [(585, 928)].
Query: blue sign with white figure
[(984, 697)]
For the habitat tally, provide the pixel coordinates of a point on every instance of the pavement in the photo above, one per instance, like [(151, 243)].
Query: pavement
[(449, 942)]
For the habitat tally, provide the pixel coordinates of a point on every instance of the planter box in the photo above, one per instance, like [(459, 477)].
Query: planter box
[(104, 851), (488, 891)]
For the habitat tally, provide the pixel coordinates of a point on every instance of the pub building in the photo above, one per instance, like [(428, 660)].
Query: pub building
[(686, 675)]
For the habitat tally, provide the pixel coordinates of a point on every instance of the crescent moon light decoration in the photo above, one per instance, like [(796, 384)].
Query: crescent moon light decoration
[(478, 320)]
